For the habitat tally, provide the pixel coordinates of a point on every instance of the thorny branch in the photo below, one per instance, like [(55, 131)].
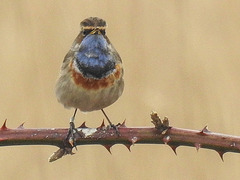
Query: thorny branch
[(162, 133)]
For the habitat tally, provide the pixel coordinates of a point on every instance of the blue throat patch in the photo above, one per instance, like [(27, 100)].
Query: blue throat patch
[(94, 58)]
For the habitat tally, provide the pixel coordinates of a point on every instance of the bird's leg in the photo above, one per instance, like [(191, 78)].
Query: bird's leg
[(110, 123), (72, 130)]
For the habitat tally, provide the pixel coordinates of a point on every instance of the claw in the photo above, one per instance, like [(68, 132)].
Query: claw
[(71, 136), (116, 129), (123, 124)]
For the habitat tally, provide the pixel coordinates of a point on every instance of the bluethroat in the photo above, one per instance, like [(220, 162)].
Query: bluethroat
[(91, 76)]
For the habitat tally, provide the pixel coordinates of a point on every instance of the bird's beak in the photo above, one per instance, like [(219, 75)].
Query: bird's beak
[(96, 31)]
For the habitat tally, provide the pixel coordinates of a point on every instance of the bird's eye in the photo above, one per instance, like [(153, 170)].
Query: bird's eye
[(85, 32), (103, 32)]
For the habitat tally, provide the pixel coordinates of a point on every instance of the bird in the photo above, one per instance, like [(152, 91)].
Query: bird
[(91, 75)]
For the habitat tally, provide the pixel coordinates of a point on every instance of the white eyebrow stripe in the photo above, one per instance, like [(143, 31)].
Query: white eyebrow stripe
[(92, 27)]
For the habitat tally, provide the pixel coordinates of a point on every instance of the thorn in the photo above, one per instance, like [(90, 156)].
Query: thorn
[(108, 147), (21, 126), (204, 131), (197, 145), (123, 123), (83, 125), (174, 147), (128, 146), (102, 126), (166, 139), (221, 153), (4, 127)]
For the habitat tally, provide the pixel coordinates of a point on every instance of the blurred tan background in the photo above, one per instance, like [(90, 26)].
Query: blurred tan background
[(181, 59)]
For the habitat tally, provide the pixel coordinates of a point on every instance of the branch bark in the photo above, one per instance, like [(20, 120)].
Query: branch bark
[(162, 133)]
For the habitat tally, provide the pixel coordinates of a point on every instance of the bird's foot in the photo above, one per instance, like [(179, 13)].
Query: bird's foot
[(115, 127), (73, 133)]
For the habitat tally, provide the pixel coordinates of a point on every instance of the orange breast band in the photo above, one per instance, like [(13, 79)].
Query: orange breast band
[(94, 84)]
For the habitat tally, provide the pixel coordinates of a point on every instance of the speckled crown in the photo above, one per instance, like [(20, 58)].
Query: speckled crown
[(93, 22)]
